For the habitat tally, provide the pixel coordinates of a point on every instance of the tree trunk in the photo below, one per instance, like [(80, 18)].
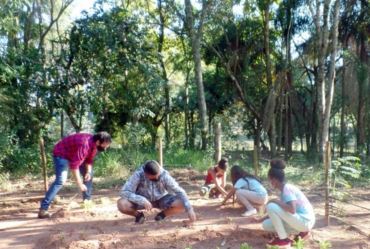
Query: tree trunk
[(187, 118), (196, 34), (342, 139), (362, 87), (266, 40), (328, 102), (164, 73), (62, 124), (218, 147)]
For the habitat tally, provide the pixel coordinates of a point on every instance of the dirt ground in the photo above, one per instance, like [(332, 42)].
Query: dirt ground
[(101, 226)]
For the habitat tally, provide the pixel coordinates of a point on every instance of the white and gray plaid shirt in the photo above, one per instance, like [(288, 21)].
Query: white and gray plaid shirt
[(138, 188)]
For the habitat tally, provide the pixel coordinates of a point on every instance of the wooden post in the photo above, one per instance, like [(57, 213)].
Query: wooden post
[(327, 166), (160, 151), (218, 146), (43, 163), (255, 161)]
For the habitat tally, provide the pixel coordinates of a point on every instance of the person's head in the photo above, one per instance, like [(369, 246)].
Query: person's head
[(222, 164), (276, 173), (152, 170), (236, 173), (102, 140)]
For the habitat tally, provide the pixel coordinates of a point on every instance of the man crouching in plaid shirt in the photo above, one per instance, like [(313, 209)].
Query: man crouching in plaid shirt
[(149, 188)]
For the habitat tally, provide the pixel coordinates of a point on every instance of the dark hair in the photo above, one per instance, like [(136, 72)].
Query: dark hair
[(102, 137), (222, 164), (151, 167), (277, 170), (237, 172)]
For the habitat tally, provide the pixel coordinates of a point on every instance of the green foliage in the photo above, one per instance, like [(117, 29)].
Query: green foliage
[(120, 162), (298, 244), (325, 244), (16, 159), (345, 170), (245, 246)]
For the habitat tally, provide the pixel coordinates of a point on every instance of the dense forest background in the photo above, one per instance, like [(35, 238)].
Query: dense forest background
[(282, 77)]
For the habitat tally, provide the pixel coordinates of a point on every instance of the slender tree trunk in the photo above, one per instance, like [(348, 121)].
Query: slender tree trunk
[(342, 114), (328, 102), (272, 128), (164, 72), (218, 147), (187, 123), (362, 86), (62, 124), (196, 35)]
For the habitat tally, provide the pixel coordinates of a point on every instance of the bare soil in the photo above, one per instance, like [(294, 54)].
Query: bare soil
[(101, 226)]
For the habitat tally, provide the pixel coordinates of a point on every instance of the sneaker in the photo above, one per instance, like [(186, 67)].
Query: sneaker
[(302, 235), (203, 191), (160, 216), (280, 243), (140, 218), (43, 214), (249, 212)]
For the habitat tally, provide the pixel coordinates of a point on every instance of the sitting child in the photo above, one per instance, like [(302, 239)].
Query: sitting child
[(248, 189), (291, 214), (215, 183)]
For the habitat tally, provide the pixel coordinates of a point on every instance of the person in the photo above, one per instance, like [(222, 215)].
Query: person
[(150, 187), (77, 153), (248, 190), (215, 182), (291, 214)]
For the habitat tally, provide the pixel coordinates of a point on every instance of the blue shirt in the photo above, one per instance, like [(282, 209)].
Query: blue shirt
[(303, 206), (251, 184)]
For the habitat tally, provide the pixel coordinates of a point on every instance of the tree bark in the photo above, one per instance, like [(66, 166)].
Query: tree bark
[(164, 72), (196, 34)]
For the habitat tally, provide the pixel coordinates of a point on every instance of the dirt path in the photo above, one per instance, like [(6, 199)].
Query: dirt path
[(103, 227)]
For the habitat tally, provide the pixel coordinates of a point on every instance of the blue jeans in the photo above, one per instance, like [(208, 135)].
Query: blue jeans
[(61, 174)]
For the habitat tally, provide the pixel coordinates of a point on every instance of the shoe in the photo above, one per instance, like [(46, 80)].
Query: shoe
[(140, 218), (203, 191), (160, 216), (280, 243), (43, 214), (249, 212), (302, 235)]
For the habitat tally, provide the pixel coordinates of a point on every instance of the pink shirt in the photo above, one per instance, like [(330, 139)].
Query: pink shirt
[(78, 149)]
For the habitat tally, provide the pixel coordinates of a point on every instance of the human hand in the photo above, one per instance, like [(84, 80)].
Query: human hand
[(192, 216), (147, 205), (87, 177), (82, 187)]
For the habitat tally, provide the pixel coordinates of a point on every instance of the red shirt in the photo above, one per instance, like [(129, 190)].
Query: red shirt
[(209, 177), (78, 148)]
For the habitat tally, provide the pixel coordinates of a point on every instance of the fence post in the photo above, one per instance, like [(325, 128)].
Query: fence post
[(43, 163), (255, 161), (160, 151), (218, 145), (327, 166)]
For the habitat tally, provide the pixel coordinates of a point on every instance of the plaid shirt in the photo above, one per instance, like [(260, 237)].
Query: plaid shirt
[(138, 188), (78, 149)]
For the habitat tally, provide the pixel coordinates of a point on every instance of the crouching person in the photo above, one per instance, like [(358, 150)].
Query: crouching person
[(150, 187)]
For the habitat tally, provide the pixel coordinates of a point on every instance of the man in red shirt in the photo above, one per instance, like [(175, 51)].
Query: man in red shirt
[(77, 153)]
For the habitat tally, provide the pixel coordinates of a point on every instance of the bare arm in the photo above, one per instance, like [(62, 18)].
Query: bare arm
[(288, 207), (231, 193), (217, 183), (76, 175)]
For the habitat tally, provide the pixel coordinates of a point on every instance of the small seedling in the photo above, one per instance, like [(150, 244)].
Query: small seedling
[(88, 205), (298, 244), (245, 246), (325, 244)]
